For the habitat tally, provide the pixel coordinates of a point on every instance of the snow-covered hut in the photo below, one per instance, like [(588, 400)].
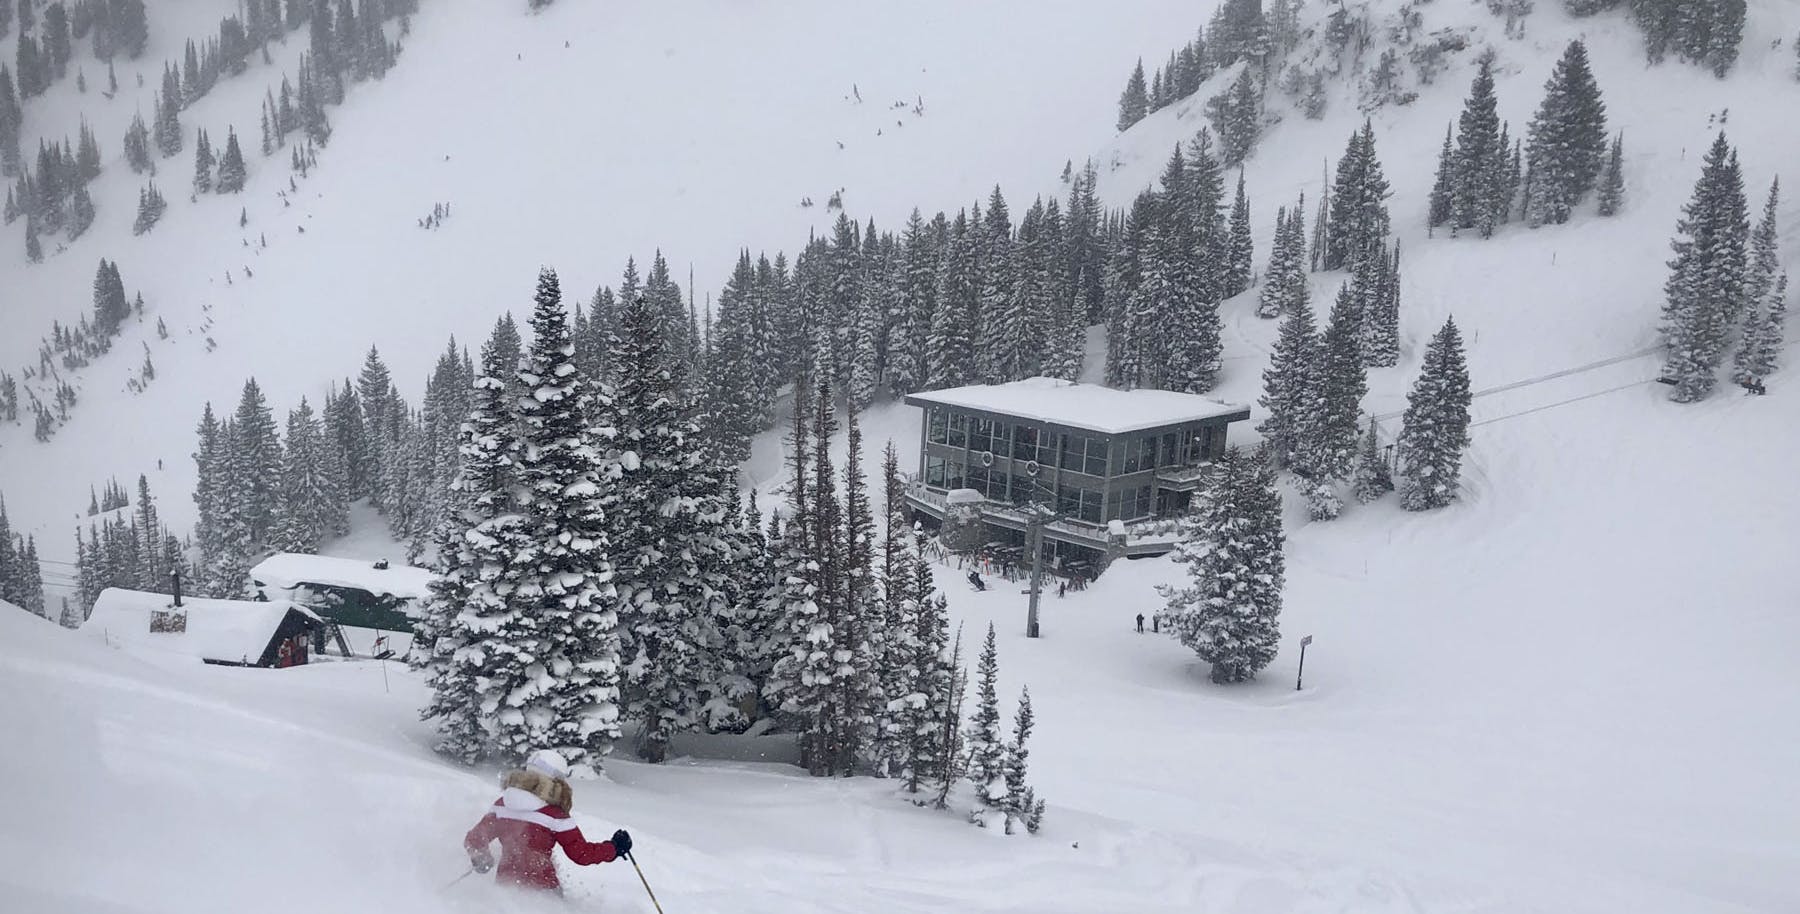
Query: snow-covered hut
[(351, 592), (271, 633)]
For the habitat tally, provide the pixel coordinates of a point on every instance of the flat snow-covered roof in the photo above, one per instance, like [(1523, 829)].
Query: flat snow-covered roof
[(1085, 406), (287, 570), (234, 631)]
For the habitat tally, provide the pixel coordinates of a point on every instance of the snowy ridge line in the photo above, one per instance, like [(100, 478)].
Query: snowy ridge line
[(1527, 382)]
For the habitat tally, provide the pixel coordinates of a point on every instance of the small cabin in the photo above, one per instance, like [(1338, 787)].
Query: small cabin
[(349, 592), (256, 633)]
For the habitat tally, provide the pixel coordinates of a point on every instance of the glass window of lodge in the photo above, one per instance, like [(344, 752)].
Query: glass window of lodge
[(957, 434), (935, 429), (1085, 454), (987, 435)]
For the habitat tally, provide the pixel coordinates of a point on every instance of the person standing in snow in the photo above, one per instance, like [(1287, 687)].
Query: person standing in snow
[(529, 820), (1140, 623)]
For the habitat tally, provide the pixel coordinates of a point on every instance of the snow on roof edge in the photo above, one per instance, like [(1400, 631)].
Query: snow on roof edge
[(1091, 407)]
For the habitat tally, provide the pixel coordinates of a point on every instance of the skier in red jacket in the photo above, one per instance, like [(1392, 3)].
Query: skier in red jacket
[(530, 818)]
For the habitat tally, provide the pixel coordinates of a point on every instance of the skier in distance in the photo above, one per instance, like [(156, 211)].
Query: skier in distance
[(530, 819)]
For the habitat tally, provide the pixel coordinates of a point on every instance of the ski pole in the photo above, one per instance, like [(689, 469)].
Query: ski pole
[(646, 882), (466, 874)]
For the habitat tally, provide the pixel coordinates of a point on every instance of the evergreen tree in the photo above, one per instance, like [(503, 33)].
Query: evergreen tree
[(1242, 252), (203, 164), (1476, 195), (1291, 383), (1358, 212), (952, 339), (986, 751), (1381, 312), (255, 491), (1134, 103), (1021, 802), (670, 542), (1235, 115), (1327, 441), (167, 125), (1435, 429), (1764, 254), (375, 389), (81, 213), (231, 166), (476, 626), (1705, 290), (150, 209), (565, 694), (1612, 181), (1284, 283), (1759, 351), (1233, 547), (312, 502), (1372, 479), (1566, 141)]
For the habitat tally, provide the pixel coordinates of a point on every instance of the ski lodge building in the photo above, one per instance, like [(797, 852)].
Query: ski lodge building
[(1115, 465), (258, 633)]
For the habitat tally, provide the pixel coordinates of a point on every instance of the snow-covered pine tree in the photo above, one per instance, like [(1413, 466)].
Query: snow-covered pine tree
[(1372, 479), (1759, 350), (1233, 549), (670, 541), (1358, 216), (312, 501), (231, 165), (1612, 181), (1381, 313), (1477, 164), (1236, 116), (203, 164), (1435, 429), (1566, 141), (1326, 451), (899, 610), (986, 750), (1124, 291), (1134, 102), (1764, 253), (1706, 284), (925, 717), (256, 490), (1022, 803), (477, 635), (861, 630), (994, 283), (1285, 283), (374, 388), (952, 335), (566, 694), (1291, 383), (1240, 261)]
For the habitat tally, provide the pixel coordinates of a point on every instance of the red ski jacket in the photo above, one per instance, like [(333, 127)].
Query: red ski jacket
[(527, 829)]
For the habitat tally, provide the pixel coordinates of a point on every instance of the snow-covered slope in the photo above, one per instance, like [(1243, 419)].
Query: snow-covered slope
[(573, 138), (1567, 693)]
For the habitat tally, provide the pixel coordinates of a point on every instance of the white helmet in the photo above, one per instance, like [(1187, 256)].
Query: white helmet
[(550, 762)]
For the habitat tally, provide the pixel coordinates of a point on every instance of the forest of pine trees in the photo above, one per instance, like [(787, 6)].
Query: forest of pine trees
[(592, 520), (21, 577)]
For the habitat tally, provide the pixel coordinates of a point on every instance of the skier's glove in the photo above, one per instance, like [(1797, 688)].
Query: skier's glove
[(481, 861), (621, 842)]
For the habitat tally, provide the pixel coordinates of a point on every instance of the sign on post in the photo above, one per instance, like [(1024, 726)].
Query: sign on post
[(1301, 673)]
